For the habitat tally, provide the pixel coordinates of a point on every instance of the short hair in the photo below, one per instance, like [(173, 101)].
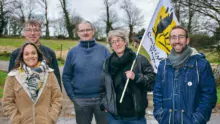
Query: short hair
[(20, 58), (32, 23), (85, 22), (119, 33), (180, 27)]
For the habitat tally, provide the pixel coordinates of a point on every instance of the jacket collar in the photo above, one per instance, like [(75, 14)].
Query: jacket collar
[(87, 44), (21, 76)]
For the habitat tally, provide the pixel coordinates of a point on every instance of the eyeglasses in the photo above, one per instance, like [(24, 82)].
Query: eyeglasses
[(32, 30), (85, 30), (112, 42), (180, 37)]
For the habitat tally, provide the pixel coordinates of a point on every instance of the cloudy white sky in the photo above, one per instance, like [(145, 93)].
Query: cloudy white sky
[(92, 9)]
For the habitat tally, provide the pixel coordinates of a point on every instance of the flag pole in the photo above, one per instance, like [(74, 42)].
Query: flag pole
[(126, 84)]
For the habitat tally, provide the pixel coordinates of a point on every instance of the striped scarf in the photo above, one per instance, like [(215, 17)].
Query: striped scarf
[(35, 79)]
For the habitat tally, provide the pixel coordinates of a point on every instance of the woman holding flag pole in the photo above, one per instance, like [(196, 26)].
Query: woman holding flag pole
[(116, 74)]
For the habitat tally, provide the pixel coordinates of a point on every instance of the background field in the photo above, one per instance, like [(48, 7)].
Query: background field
[(7, 45)]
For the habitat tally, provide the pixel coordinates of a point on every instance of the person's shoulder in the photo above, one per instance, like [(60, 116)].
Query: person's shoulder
[(74, 49), (12, 72), (200, 57), (16, 51), (47, 48), (100, 45), (50, 70)]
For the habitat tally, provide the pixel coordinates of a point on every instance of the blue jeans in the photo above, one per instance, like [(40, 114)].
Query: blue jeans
[(112, 120), (85, 108)]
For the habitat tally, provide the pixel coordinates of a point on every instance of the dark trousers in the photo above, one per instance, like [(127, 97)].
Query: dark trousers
[(132, 120), (85, 108)]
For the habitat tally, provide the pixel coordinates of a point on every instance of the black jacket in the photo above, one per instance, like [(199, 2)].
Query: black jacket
[(49, 55), (146, 77)]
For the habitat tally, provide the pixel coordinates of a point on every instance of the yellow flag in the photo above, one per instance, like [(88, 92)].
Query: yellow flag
[(156, 37)]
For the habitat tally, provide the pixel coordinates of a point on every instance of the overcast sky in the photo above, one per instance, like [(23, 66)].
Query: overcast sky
[(91, 10)]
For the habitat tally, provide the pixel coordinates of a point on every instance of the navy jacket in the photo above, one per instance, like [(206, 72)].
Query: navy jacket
[(185, 95), (49, 55)]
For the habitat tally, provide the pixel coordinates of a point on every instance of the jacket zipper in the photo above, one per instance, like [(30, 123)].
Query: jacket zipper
[(170, 111)]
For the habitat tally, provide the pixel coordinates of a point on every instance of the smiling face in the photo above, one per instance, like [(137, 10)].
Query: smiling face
[(85, 31), (118, 45), (178, 40), (30, 56), (32, 33)]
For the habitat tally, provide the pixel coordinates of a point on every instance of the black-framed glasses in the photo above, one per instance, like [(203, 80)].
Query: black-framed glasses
[(180, 37), (32, 30), (85, 30), (112, 42)]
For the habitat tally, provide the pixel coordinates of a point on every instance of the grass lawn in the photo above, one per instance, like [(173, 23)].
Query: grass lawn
[(67, 44), (53, 44), (218, 94), (2, 82)]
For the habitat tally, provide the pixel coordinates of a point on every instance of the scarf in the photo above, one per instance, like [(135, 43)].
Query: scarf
[(35, 78), (178, 60), (118, 63)]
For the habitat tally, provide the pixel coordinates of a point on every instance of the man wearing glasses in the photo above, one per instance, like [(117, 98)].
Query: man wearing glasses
[(82, 75), (184, 91), (32, 33)]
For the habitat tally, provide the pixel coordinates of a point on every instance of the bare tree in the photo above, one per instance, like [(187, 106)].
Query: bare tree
[(59, 27), (69, 26), (133, 16), (44, 4), (99, 29), (209, 8), (110, 15), (6, 8), (177, 7), (23, 11), (74, 20)]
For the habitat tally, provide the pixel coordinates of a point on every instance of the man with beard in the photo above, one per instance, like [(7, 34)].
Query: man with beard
[(184, 91)]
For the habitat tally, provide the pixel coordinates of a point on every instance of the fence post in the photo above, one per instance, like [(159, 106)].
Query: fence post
[(61, 46)]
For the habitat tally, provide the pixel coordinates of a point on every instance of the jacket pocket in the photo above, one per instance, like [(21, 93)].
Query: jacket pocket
[(162, 115), (185, 119), (43, 120)]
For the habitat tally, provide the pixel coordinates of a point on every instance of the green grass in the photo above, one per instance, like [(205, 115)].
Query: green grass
[(53, 44), (2, 82), (218, 94), (4, 56)]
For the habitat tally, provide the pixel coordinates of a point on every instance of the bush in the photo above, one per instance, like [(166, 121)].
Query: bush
[(201, 41)]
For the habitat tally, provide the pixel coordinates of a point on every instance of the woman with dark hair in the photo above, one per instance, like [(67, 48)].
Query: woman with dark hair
[(30, 93), (116, 71)]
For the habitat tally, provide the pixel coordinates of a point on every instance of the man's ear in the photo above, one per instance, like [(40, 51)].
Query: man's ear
[(187, 40)]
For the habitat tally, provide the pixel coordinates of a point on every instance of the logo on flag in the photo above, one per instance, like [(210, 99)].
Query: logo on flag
[(156, 37)]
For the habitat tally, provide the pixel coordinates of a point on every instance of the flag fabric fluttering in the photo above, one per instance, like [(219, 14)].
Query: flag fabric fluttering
[(156, 37)]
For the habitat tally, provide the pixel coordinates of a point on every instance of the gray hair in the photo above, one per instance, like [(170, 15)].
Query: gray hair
[(119, 33), (85, 22)]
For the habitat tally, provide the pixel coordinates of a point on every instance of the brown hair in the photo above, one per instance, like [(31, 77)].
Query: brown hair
[(20, 58), (32, 23), (180, 27)]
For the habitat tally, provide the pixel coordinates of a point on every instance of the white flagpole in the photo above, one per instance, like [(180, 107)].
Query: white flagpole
[(126, 84)]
